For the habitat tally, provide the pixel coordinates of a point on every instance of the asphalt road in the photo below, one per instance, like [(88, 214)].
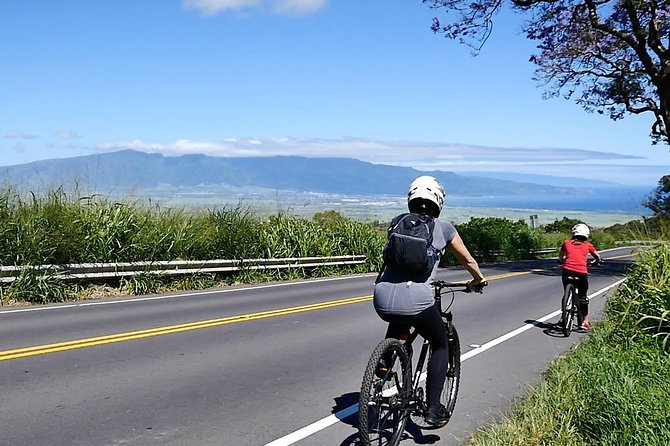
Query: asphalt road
[(275, 364)]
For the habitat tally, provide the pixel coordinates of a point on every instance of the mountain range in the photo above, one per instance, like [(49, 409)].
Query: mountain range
[(133, 170)]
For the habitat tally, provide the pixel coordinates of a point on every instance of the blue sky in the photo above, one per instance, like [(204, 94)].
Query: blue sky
[(350, 78)]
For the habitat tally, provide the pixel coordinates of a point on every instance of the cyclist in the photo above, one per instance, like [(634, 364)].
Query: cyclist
[(574, 254), (404, 301)]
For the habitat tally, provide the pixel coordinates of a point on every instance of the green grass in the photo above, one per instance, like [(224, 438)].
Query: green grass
[(57, 228)]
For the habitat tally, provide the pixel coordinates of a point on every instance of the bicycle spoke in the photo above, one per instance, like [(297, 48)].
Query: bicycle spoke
[(381, 419)]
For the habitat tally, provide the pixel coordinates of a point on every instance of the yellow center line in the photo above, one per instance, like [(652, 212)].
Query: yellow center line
[(159, 331), (140, 334)]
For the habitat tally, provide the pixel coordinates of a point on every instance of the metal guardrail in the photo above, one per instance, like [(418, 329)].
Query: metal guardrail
[(503, 253), (640, 242), (125, 269)]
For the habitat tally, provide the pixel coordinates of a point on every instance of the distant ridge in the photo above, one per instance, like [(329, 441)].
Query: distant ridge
[(131, 173), (128, 169)]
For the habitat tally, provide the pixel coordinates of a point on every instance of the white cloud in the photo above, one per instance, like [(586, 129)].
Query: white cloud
[(424, 155), (20, 135), (290, 7), (211, 7), (133, 145), (299, 7), (67, 135)]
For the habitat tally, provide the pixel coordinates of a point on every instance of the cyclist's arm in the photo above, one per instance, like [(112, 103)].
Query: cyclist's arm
[(460, 251), (562, 254), (596, 256)]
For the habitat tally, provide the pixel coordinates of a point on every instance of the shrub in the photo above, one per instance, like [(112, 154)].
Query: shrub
[(491, 239)]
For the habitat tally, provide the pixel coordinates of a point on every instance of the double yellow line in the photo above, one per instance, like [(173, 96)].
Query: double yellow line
[(140, 334)]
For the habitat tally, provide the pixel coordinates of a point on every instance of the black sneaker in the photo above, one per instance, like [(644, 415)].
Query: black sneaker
[(438, 416)]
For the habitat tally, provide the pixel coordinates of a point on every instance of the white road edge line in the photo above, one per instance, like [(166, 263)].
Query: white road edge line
[(328, 421)]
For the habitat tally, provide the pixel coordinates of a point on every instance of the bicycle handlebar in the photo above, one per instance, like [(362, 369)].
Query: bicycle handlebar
[(461, 286)]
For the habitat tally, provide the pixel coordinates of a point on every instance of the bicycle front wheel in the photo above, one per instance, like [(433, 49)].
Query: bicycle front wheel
[(451, 383), (382, 407), (568, 304)]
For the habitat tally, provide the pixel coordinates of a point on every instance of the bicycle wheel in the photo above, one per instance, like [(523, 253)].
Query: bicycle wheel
[(382, 412), (567, 305), (450, 390)]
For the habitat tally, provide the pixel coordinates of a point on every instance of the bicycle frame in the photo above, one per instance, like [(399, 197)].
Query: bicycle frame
[(571, 281), (415, 394), (413, 334), (388, 400)]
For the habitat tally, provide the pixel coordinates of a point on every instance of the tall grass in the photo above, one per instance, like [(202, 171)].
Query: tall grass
[(642, 307), (57, 228)]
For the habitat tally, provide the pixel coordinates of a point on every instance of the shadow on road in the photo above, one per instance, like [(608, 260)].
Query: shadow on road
[(413, 433), (343, 402), (552, 329), (548, 328)]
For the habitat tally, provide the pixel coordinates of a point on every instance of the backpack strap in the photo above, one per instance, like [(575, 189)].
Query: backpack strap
[(381, 271), (394, 222)]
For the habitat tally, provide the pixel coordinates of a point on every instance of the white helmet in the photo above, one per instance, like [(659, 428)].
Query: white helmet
[(429, 188), (581, 230)]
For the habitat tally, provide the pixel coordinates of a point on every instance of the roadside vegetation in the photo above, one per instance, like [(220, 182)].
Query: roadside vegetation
[(57, 228)]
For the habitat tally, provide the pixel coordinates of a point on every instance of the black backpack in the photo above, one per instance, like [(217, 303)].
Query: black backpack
[(409, 248)]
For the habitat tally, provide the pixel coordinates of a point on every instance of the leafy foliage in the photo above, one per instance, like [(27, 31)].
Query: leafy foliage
[(493, 238), (36, 286), (648, 228), (659, 200), (142, 283), (642, 306), (563, 225), (611, 56)]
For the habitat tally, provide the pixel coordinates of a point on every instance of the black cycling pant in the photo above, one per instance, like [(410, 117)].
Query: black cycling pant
[(430, 326), (582, 284)]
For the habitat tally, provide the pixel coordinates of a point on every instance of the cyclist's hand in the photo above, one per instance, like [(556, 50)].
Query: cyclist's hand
[(477, 285)]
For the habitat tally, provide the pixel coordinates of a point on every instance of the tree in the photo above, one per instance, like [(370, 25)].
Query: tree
[(659, 200), (564, 225), (611, 56), (490, 237)]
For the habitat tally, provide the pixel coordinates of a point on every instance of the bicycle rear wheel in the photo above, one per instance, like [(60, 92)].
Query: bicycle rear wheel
[(568, 304), (382, 407)]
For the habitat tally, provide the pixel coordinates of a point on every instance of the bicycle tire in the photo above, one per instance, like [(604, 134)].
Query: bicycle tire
[(567, 306), (453, 379), (382, 411)]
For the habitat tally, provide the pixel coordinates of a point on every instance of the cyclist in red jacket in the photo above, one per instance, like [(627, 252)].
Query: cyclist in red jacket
[(574, 254)]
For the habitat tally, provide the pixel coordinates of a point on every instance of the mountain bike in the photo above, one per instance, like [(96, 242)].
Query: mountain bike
[(390, 395), (570, 306)]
